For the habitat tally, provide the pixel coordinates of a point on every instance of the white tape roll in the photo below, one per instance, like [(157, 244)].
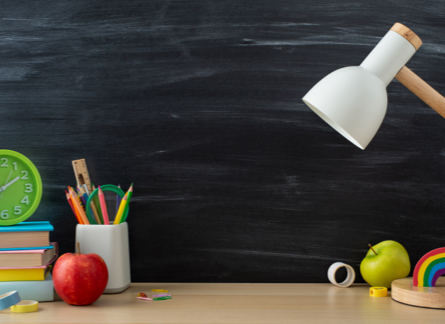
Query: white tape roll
[(9, 299), (349, 278)]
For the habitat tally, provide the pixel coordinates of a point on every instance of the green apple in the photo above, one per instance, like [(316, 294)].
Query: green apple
[(385, 262)]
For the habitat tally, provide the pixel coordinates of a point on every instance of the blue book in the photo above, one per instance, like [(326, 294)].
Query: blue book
[(28, 227), (28, 248), (25, 234), (42, 290)]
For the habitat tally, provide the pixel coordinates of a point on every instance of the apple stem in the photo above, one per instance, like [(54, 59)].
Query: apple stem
[(78, 248), (368, 245)]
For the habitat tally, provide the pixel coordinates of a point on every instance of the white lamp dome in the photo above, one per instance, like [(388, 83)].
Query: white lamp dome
[(353, 101)]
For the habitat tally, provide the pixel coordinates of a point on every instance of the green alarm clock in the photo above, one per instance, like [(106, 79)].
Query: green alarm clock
[(20, 188)]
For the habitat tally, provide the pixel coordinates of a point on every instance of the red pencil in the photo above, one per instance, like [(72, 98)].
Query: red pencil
[(103, 206)]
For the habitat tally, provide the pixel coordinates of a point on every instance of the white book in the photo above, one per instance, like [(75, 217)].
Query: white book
[(42, 290)]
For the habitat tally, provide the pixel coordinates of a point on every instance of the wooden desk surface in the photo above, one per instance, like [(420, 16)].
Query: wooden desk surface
[(234, 303)]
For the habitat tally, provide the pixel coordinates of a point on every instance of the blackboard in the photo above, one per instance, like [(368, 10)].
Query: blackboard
[(199, 104)]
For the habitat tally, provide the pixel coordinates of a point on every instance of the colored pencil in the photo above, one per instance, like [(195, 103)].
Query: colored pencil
[(118, 201), (125, 213), (85, 187), (84, 191), (82, 197), (77, 197), (95, 213), (97, 204), (79, 220), (103, 206), (118, 217), (77, 206)]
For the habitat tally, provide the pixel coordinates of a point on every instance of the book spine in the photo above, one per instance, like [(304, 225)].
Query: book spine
[(31, 290), (20, 274)]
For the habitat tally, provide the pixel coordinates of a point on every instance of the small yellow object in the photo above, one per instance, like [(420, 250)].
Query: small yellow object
[(378, 292), (160, 290), (25, 306)]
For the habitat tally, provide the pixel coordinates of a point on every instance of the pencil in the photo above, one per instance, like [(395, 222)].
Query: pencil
[(86, 189), (118, 201), (96, 203), (79, 220), (78, 197), (103, 206), (118, 217), (95, 213), (77, 206), (81, 194), (125, 213), (83, 190)]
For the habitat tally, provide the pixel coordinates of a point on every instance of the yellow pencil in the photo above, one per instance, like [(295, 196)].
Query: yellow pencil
[(118, 217)]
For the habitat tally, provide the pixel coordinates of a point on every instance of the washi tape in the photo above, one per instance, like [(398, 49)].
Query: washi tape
[(25, 306), (349, 278), (9, 299), (378, 291)]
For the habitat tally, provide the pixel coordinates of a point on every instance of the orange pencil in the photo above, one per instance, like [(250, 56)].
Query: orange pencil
[(78, 207), (79, 220), (103, 206), (76, 212)]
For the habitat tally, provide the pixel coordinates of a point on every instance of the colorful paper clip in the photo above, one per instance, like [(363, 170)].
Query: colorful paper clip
[(162, 298), (162, 295), (160, 290), (143, 296)]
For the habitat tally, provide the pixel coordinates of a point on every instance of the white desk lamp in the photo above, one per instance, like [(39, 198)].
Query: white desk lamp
[(353, 100)]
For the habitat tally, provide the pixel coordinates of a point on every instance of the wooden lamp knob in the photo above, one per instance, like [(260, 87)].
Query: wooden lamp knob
[(408, 34)]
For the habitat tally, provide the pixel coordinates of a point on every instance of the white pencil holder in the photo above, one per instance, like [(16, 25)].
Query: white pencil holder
[(111, 243)]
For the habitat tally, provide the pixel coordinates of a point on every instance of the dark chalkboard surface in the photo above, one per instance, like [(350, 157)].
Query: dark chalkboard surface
[(199, 104)]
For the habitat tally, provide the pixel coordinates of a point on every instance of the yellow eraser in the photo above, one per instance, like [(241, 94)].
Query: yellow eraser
[(378, 292)]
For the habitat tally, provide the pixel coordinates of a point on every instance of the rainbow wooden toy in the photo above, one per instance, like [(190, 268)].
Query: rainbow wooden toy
[(429, 268), (425, 288)]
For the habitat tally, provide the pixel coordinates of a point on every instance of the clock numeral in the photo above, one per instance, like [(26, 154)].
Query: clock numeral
[(25, 200), (4, 214), (17, 210), (28, 187), (4, 162), (25, 175), (15, 165)]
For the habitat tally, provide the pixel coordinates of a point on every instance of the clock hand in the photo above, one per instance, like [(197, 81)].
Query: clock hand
[(3, 188), (1, 196)]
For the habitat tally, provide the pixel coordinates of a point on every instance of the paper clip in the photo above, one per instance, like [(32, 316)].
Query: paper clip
[(143, 296), (162, 295), (160, 290), (162, 298)]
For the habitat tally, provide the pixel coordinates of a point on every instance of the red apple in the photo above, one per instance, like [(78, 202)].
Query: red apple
[(80, 279)]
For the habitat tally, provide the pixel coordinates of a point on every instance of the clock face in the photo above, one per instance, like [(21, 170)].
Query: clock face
[(20, 187)]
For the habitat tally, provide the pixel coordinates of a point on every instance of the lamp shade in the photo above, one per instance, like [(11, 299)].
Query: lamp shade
[(353, 101)]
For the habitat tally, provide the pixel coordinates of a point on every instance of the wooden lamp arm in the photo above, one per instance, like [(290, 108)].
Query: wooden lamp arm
[(422, 90)]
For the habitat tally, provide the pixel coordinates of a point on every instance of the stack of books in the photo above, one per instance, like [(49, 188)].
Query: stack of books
[(26, 254)]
